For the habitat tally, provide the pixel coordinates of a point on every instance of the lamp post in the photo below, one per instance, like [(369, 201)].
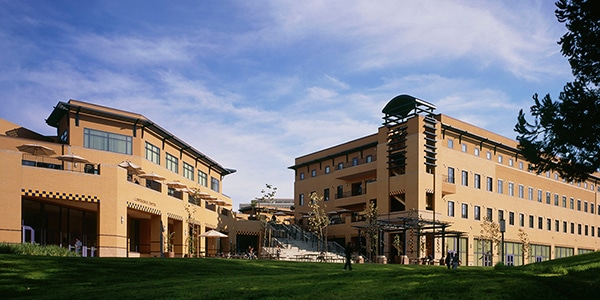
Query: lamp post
[(502, 230)]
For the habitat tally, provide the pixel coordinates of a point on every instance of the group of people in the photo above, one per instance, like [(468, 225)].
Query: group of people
[(452, 260)]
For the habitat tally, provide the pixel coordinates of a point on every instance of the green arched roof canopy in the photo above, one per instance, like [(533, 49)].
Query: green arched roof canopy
[(404, 106)]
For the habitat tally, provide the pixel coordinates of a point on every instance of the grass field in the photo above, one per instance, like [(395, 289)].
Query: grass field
[(41, 277)]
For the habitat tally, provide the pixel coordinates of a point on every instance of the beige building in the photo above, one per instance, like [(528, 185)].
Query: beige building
[(434, 180), (121, 183)]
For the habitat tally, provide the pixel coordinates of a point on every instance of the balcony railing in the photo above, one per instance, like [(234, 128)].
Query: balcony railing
[(56, 164)]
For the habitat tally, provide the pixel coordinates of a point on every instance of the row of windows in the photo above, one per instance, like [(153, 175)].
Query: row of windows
[(541, 223), (172, 164), (500, 159), (339, 166), (531, 192), (107, 141)]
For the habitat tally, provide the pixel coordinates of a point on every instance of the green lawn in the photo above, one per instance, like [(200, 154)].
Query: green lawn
[(40, 277)]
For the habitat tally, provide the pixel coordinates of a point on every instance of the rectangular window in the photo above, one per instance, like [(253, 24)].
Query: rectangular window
[(521, 220), (214, 184), (511, 189), (152, 153), (511, 218), (489, 214), (477, 212), (556, 225), (500, 215), (500, 186), (500, 158), (556, 199), (188, 171), (327, 169), (530, 193), (572, 228), (107, 141), (539, 195), (450, 175), (585, 207), (565, 226), (301, 200), (521, 191), (326, 195), (313, 173), (464, 211), (564, 201), (571, 203), (548, 224), (477, 181), (488, 155), (476, 151), (489, 183), (578, 205), (355, 161), (340, 192), (463, 147), (548, 197), (530, 221), (369, 158), (202, 178), (465, 178), (450, 143), (451, 208), (172, 163)]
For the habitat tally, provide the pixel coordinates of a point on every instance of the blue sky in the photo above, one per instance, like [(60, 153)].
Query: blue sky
[(254, 84)]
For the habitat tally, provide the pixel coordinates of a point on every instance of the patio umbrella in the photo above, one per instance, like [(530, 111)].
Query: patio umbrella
[(152, 176), (131, 167), (72, 158), (175, 184), (36, 149), (213, 234)]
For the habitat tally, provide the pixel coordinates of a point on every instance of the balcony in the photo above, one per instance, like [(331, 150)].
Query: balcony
[(448, 186)]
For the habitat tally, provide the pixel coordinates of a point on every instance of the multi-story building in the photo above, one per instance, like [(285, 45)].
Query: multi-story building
[(441, 185), (121, 183)]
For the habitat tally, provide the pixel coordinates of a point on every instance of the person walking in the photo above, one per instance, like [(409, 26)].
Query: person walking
[(348, 252), (455, 260), (448, 259)]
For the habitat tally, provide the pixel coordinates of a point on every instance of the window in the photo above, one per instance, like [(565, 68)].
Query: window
[(188, 171), (592, 208), (585, 207), (340, 191), (369, 158), (477, 212), (313, 173), (565, 226), (489, 214), (530, 221), (511, 162), (327, 170), (464, 211), (500, 158), (302, 176), (578, 205), (520, 165), (450, 143), (539, 196), (556, 199), (488, 155), (571, 203), (214, 184), (556, 225), (489, 183), (572, 228), (463, 147), (450, 208), (301, 200), (500, 215), (477, 181), (521, 191), (530, 193), (511, 189), (521, 220), (579, 229), (500, 186), (476, 151), (340, 166), (107, 141), (511, 218), (465, 178), (355, 161), (202, 178), (326, 195), (152, 153), (548, 197), (450, 175), (172, 163), (548, 224)]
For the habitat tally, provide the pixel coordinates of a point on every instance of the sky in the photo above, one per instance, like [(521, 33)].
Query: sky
[(255, 84)]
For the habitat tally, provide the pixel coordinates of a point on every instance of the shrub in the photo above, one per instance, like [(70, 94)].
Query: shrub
[(34, 249)]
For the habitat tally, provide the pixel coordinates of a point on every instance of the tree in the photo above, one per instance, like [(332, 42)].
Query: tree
[(563, 137), (268, 196), (490, 230), (318, 219), (525, 245), (371, 229)]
